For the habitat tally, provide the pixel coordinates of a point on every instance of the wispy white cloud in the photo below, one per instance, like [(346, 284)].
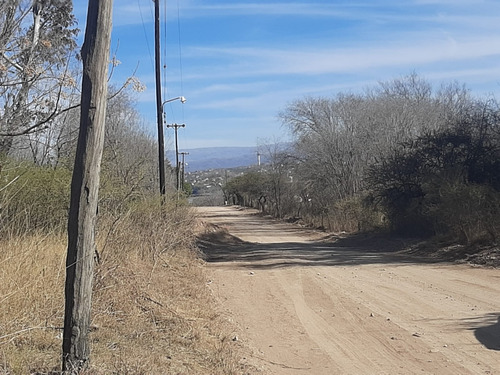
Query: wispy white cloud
[(266, 9), (128, 12), (238, 77), (454, 2), (481, 17), (243, 131), (264, 61), (372, 11), (234, 88)]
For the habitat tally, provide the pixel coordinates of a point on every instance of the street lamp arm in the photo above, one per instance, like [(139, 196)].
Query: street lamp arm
[(181, 98)]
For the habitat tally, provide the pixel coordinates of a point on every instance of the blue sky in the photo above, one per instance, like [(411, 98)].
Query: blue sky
[(239, 63)]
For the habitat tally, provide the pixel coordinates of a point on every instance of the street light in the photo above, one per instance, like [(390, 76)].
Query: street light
[(181, 98), (161, 145)]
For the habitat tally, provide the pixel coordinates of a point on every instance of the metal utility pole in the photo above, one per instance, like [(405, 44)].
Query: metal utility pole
[(183, 167), (159, 104), (85, 188), (177, 169)]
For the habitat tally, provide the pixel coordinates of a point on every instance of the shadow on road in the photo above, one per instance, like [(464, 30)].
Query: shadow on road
[(355, 250), (486, 330), (284, 245)]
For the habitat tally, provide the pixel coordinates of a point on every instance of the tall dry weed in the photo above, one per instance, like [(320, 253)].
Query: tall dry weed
[(152, 310), (31, 302)]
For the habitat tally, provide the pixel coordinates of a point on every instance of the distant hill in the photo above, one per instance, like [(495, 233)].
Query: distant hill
[(200, 159)]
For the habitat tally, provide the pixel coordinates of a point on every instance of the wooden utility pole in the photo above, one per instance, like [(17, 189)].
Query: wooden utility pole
[(183, 168), (177, 168), (159, 104), (85, 187)]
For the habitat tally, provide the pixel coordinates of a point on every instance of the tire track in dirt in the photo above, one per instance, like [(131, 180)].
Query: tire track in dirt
[(305, 307)]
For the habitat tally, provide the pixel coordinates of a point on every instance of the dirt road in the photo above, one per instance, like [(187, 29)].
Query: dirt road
[(305, 306)]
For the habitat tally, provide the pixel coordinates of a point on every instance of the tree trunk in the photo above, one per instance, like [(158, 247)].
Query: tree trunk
[(85, 187)]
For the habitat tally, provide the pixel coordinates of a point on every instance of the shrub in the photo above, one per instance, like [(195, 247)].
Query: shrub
[(445, 183), (353, 214), (397, 185), (33, 198), (152, 312), (467, 212)]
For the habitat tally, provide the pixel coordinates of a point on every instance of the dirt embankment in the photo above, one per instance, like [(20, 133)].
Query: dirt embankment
[(302, 304)]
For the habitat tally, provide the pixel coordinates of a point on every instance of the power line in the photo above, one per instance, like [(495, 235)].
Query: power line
[(146, 32)]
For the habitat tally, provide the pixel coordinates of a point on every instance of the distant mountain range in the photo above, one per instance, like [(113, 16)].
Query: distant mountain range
[(200, 159)]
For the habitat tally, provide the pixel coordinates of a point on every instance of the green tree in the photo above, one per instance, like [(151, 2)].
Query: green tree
[(247, 189)]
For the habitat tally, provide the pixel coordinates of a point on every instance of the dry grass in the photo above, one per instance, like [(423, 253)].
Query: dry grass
[(31, 302), (152, 310)]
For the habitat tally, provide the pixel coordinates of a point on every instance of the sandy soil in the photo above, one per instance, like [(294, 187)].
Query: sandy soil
[(304, 305)]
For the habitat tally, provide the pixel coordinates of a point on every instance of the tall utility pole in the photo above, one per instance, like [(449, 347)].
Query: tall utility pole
[(85, 188), (183, 167), (159, 104), (177, 169)]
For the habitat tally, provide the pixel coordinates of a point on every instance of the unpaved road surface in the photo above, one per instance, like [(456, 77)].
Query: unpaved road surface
[(301, 305)]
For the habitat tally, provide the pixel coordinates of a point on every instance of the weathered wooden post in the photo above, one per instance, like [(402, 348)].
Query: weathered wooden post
[(85, 187)]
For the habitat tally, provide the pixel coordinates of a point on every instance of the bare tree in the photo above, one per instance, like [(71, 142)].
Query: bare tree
[(36, 45), (338, 138), (129, 162)]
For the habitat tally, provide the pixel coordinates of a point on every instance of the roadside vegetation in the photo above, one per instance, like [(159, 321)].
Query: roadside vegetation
[(403, 157), (152, 311)]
